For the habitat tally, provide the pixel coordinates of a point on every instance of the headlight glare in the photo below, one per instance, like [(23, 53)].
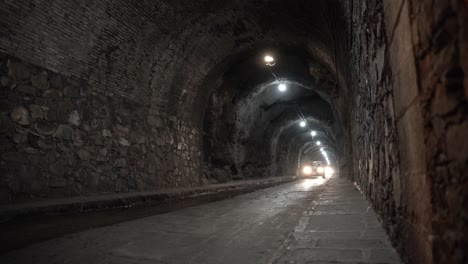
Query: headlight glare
[(328, 170)]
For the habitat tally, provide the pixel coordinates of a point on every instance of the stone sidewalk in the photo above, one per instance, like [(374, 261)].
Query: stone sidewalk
[(338, 227)]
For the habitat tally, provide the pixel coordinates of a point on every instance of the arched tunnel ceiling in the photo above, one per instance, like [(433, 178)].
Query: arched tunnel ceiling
[(241, 89), (200, 64), (312, 42), (309, 49), (118, 96)]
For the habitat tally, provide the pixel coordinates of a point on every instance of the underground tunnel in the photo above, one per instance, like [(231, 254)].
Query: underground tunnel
[(156, 131)]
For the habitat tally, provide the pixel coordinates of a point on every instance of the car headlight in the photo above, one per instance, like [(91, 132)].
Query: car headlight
[(307, 170), (320, 169)]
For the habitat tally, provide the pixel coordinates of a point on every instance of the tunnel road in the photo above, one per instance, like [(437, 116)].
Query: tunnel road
[(307, 221)]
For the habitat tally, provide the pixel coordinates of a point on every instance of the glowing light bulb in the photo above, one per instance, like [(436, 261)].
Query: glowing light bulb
[(302, 124), (318, 143), (269, 59), (313, 133), (282, 87)]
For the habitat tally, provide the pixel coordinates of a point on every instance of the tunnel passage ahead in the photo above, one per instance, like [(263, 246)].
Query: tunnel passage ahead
[(118, 96), (303, 221)]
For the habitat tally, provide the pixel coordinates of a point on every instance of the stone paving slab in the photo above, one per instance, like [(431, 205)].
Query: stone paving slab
[(338, 227)]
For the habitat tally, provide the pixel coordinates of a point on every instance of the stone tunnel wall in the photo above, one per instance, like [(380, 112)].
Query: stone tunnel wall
[(389, 155), (97, 96), (155, 56), (58, 138), (373, 128), (440, 44), (409, 113), (92, 114)]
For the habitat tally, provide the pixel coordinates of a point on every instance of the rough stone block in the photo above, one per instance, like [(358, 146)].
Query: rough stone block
[(405, 87), (64, 132), (20, 115), (27, 89), (411, 139), (18, 71), (36, 111), (41, 81)]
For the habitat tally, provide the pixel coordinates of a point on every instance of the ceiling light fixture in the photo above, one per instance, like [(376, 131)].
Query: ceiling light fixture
[(303, 123), (269, 60), (282, 87)]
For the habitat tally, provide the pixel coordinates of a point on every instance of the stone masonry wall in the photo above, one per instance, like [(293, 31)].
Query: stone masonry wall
[(58, 139), (410, 122), (373, 128), (440, 43), (125, 60), (157, 56), (389, 154)]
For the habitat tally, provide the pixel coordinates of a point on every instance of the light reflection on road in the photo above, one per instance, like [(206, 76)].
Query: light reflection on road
[(307, 184)]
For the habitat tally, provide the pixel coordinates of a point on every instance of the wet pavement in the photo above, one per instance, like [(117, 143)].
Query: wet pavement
[(307, 221)]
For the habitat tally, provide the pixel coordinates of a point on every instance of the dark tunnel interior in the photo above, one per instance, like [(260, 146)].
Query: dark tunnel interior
[(247, 113), (117, 97)]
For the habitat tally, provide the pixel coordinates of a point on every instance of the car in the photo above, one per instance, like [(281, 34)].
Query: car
[(314, 168)]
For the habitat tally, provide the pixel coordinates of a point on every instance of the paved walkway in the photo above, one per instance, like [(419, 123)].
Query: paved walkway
[(307, 221), (338, 227)]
